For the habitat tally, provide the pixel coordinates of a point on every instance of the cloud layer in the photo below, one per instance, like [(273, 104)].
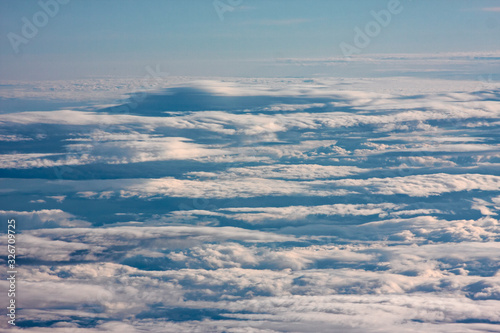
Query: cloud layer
[(256, 205)]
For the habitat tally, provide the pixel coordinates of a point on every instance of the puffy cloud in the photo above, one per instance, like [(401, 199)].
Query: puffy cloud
[(13, 138), (425, 185), (25, 161), (224, 188), (246, 187), (289, 171), (291, 213), (113, 149), (45, 218), (160, 234)]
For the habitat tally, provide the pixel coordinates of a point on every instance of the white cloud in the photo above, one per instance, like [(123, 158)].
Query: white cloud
[(291, 213), (491, 9), (375, 211), (297, 171), (13, 138), (58, 198), (163, 233), (424, 185), (44, 218)]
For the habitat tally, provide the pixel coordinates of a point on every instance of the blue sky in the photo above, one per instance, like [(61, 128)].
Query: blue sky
[(100, 38)]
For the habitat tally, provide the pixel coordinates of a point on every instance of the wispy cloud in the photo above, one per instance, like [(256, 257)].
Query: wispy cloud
[(491, 9), (286, 21), (277, 22)]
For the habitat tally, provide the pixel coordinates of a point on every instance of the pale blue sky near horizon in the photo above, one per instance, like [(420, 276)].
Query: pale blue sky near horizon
[(120, 38)]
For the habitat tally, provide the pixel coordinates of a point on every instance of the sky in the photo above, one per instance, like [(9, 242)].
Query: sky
[(109, 38), (250, 166)]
